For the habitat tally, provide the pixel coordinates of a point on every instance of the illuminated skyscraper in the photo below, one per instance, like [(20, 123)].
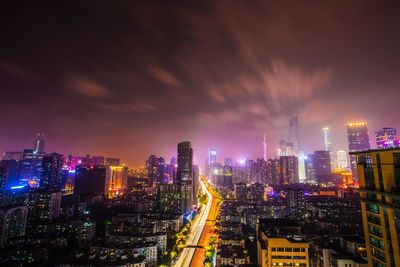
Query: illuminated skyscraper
[(30, 167), (310, 169), (38, 147), (184, 175), (379, 179), (289, 172), (294, 132), (51, 171), (341, 157), (185, 163), (386, 138), (118, 181), (357, 135), (327, 139), (328, 144), (322, 163), (302, 170), (212, 156), (265, 154)]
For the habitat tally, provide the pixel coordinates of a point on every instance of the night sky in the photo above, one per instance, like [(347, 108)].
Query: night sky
[(130, 79)]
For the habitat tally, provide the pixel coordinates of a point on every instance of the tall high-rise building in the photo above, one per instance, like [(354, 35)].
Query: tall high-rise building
[(51, 171), (38, 146), (30, 167), (310, 169), (156, 170), (342, 161), (92, 180), (302, 167), (12, 223), (294, 132), (286, 149), (118, 181), (184, 175), (327, 139), (328, 144), (289, 172), (265, 153), (212, 156), (185, 163), (322, 163), (357, 135), (379, 179), (386, 138)]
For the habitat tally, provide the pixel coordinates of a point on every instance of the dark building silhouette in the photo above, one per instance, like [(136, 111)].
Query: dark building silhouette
[(51, 171)]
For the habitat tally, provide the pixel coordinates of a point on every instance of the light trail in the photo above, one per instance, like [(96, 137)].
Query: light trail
[(196, 231)]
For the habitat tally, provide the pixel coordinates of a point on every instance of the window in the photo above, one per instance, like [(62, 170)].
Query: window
[(396, 160)]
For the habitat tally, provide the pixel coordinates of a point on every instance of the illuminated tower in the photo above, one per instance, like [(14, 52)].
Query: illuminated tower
[(212, 156), (184, 176), (342, 162), (294, 132), (386, 138), (38, 147), (327, 139), (357, 135), (51, 171), (185, 163), (328, 144), (265, 157)]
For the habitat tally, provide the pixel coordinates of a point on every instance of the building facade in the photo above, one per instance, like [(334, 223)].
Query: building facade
[(379, 178)]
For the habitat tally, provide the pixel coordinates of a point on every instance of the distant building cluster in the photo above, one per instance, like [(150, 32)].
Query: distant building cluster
[(92, 210)]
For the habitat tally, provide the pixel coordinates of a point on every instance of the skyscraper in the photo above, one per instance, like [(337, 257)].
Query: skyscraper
[(310, 169), (185, 163), (322, 163), (184, 175), (328, 145), (51, 171), (212, 156), (357, 135), (289, 172), (379, 178), (92, 180), (386, 138), (265, 153), (302, 168), (38, 146), (341, 157), (327, 139), (294, 132), (30, 167)]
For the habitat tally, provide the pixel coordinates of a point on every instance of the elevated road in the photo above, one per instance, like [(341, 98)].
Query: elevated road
[(196, 233)]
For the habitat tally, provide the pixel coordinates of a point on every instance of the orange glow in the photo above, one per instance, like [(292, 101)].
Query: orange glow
[(355, 124)]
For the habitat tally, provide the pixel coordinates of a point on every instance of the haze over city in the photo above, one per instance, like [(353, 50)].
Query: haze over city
[(132, 79)]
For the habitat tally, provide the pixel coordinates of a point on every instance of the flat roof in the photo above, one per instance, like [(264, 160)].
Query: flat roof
[(374, 150)]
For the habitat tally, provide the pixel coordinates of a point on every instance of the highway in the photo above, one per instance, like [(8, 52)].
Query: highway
[(197, 228)]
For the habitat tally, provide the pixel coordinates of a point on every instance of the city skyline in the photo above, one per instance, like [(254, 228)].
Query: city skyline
[(144, 92)]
